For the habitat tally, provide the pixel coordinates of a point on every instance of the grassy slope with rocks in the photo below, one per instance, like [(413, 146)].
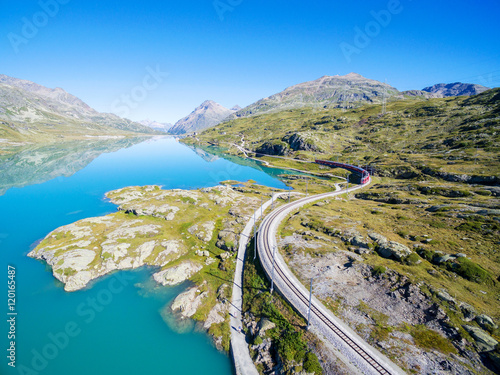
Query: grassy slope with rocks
[(456, 135), (374, 294), (437, 197)]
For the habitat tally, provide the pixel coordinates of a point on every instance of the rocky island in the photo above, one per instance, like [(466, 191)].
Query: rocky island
[(185, 234)]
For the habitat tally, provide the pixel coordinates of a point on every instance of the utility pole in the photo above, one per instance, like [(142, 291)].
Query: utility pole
[(254, 238), (272, 273), (384, 101), (272, 199), (307, 185), (288, 196), (344, 99), (254, 243), (323, 270), (309, 309)]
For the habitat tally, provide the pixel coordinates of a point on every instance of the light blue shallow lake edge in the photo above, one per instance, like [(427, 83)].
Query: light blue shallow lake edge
[(115, 326)]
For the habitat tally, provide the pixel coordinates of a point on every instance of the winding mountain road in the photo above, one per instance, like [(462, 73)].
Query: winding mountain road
[(352, 348)]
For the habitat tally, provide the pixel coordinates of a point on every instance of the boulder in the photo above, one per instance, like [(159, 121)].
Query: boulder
[(444, 258), (437, 208), (361, 251), (204, 231), (227, 240), (264, 325), (224, 255), (389, 249), (216, 315), (377, 237), (188, 302), (359, 241), (486, 322), (436, 312), (202, 253), (445, 296), (177, 274), (483, 340), (223, 292), (468, 311), (393, 249)]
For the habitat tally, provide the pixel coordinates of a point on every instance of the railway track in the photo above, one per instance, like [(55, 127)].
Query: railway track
[(266, 237)]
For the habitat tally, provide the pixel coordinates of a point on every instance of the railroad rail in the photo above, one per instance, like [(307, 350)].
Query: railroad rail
[(350, 343)]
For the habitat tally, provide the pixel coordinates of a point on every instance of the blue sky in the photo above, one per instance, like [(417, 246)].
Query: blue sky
[(238, 51)]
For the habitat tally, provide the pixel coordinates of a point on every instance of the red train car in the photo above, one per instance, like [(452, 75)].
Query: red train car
[(364, 176)]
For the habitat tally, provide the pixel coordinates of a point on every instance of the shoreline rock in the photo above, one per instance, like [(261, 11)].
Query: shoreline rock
[(177, 274)]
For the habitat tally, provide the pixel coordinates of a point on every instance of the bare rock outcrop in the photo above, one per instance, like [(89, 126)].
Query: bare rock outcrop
[(177, 274), (188, 302)]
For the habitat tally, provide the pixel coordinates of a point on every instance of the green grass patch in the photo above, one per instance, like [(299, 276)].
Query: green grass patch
[(429, 339), (471, 271), (378, 270)]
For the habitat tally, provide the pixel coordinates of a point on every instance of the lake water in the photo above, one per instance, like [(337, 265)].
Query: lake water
[(116, 325)]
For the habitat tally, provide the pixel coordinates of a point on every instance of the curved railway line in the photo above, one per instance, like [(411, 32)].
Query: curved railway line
[(351, 344)]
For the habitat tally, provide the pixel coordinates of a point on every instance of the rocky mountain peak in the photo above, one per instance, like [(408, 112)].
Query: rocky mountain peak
[(456, 89), (209, 103), (206, 115), (353, 76), (350, 90)]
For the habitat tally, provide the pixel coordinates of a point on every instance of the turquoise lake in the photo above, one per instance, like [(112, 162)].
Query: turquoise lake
[(116, 325)]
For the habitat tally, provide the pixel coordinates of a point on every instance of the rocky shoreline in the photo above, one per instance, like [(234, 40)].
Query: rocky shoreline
[(172, 230)]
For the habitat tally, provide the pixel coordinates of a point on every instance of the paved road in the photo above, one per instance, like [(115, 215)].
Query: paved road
[(239, 347), (352, 347)]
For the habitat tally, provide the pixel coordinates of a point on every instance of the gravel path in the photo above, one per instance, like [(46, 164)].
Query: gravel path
[(239, 347)]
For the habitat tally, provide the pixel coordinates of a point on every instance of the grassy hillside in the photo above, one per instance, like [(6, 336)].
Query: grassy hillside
[(415, 137)]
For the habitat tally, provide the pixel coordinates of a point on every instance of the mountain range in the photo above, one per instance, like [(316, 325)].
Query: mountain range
[(31, 110), (325, 92), (348, 91), (28, 109)]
